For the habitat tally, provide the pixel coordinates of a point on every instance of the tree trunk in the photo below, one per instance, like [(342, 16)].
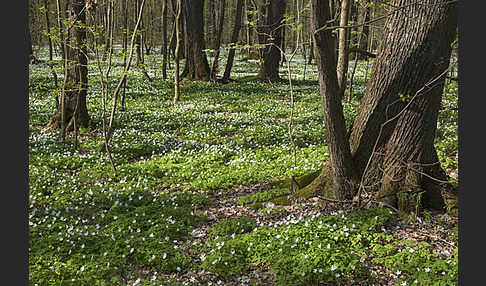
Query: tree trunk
[(343, 59), (178, 11), (364, 29), (392, 139), (211, 27), (249, 27), (108, 14), (196, 65), (32, 59), (172, 41), (74, 107), (214, 69), (311, 52), (343, 174), (60, 27), (48, 28), (270, 34), (164, 39), (138, 48), (125, 47), (399, 111), (234, 40)]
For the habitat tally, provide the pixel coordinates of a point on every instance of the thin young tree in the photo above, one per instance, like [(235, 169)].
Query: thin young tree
[(107, 16), (234, 40), (138, 44), (60, 27), (125, 48), (164, 39), (219, 34), (343, 58), (51, 52), (178, 12), (116, 92)]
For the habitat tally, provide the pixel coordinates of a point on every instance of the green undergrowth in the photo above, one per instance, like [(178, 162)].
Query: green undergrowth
[(415, 263), (328, 249), (90, 226), (232, 227)]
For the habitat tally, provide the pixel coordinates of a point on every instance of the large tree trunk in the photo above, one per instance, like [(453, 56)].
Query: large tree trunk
[(270, 34), (403, 95), (76, 81), (234, 40), (392, 139), (196, 65)]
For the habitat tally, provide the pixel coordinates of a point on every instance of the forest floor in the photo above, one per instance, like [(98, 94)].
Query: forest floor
[(193, 199)]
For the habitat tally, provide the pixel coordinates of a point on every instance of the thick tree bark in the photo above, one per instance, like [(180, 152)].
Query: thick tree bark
[(196, 65), (234, 40), (76, 83), (403, 95), (392, 139), (344, 176), (270, 34)]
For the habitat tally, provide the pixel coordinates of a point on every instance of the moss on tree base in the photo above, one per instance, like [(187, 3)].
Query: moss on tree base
[(320, 185)]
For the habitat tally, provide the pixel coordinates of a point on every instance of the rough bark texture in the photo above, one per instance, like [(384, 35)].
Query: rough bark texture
[(76, 87), (234, 40), (344, 177), (196, 66), (405, 92), (270, 35)]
